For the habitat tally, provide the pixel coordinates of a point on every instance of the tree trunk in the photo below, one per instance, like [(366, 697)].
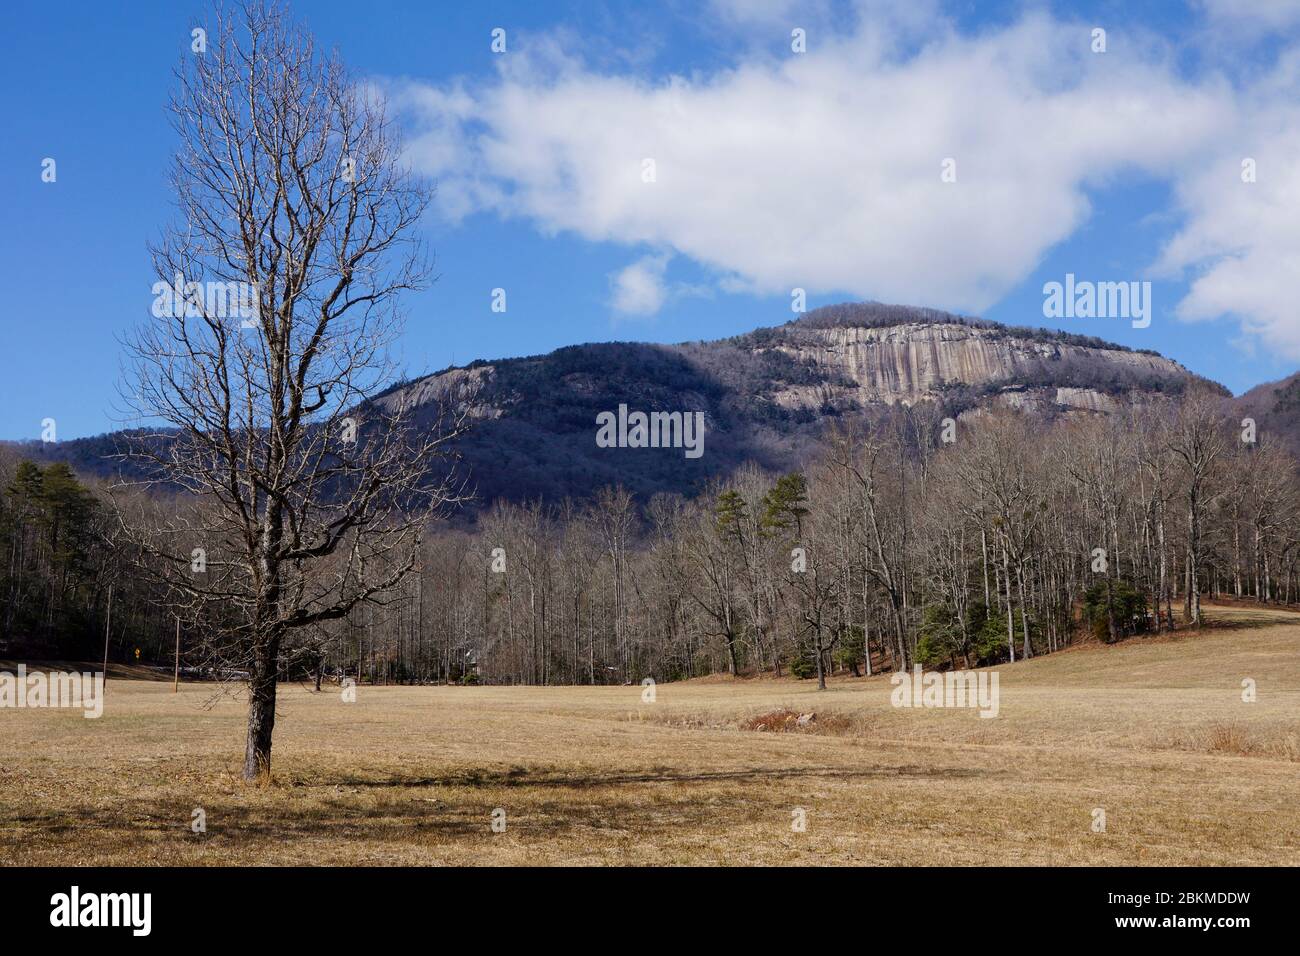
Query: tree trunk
[(1011, 614), (1194, 565), (1027, 651), (261, 713)]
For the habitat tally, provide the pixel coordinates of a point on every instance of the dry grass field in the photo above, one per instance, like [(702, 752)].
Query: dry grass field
[(1154, 731)]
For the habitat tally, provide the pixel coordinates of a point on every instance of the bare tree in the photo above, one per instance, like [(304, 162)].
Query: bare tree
[(1196, 440), (869, 459), (615, 516), (304, 498)]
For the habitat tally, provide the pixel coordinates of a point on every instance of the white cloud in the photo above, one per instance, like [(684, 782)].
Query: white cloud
[(823, 170), (639, 288), (1240, 244)]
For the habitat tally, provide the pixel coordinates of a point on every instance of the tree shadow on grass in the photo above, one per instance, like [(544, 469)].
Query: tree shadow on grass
[(417, 828), (1243, 622), (519, 777), (575, 804)]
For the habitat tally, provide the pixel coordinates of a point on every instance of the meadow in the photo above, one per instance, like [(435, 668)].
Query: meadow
[(1153, 732)]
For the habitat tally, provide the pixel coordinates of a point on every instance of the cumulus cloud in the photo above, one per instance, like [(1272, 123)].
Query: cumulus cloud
[(823, 170), (639, 288), (1239, 244)]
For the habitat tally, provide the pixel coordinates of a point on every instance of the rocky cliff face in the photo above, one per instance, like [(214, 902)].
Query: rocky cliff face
[(914, 361)]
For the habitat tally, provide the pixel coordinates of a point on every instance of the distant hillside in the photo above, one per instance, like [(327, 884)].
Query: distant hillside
[(767, 396), (1275, 406)]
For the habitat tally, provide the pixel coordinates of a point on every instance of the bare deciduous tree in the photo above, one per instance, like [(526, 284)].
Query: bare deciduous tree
[(305, 497), (1196, 440)]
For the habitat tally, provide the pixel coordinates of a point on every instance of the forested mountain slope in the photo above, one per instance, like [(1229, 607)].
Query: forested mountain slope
[(766, 396)]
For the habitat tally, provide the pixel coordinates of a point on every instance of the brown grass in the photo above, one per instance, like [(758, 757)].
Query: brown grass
[(1154, 731)]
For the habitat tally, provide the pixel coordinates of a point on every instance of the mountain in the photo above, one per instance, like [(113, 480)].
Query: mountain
[(1275, 406), (766, 396)]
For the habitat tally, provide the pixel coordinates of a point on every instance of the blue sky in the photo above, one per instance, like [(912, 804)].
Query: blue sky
[(819, 170)]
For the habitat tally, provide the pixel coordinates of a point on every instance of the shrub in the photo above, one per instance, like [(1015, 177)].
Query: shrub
[(931, 651), (1127, 605), (940, 637), (804, 666), (990, 642), (848, 652)]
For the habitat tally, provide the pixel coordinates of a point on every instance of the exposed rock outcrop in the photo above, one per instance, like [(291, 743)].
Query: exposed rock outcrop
[(913, 361)]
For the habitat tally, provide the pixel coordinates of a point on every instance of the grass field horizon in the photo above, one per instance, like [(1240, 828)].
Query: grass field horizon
[(1153, 731)]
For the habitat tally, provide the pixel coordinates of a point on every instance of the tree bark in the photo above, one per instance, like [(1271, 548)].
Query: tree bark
[(261, 711)]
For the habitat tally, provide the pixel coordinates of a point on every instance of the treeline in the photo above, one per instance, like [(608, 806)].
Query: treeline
[(910, 539), (913, 540), (48, 523), (64, 585)]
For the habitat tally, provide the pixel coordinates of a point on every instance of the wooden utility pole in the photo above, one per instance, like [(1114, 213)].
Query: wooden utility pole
[(108, 627), (176, 678)]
